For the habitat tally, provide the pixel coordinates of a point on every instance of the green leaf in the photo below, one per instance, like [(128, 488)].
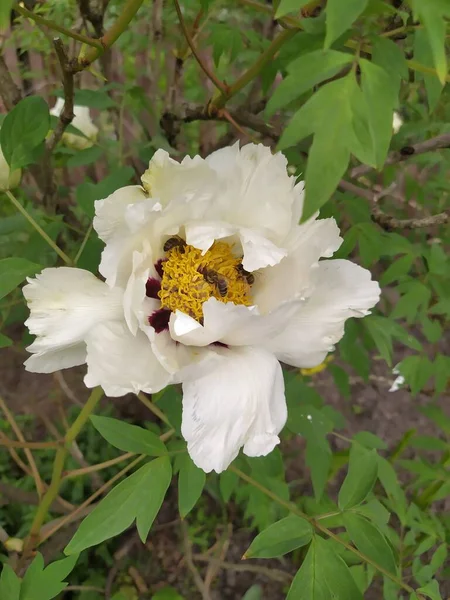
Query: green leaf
[(340, 15), (390, 56), (341, 379), (280, 538), (318, 459), (374, 511), (85, 157), (360, 479), (94, 99), (431, 13), (129, 438), (369, 540), (381, 335), (191, 481), (389, 481), (157, 482), (381, 96), (416, 370), (24, 129), (439, 557), (41, 583), (423, 54), (228, 481), (369, 440), (5, 13), (331, 139), (167, 593), (9, 584), (13, 271), (441, 368), (429, 442), (5, 341), (431, 590), (139, 496), (287, 6), (88, 192), (323, 576), (397, 269), (253, 593), (304, 73)]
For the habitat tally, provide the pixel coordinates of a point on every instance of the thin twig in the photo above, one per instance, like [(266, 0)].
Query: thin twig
[(187, 545), (58, 466), (31, 445), (59, 377), (129, 10), (153, 408), (67, 115), (220, 554), (83, 244), (38, 228), (275, 574), (28, 454), (56, 27), (389, 222), (98, 467), (436, 143), (220, 85)]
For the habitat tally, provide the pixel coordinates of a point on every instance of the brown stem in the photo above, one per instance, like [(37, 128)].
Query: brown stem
[(219, 84), (20, 437), (435, 143), (67, 114), (114, 32)]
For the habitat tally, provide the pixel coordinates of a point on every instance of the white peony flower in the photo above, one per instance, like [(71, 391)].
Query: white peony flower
[(83, 122), (8, 180), (397, 122), (210, 282)]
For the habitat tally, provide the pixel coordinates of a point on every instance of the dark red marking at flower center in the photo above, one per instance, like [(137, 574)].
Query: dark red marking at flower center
[(159, 320), (159, 267), (220, 344), (152, 288)]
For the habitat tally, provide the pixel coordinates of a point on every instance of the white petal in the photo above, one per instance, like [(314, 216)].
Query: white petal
[(343, 290), (65, 303), (239, 401), (168, 180), (256, 190), (134, 298), (219, 319), (110, 212), (294, 276), (230, 324), (49, 361), (201, 234), (122, 363), (259, 252)]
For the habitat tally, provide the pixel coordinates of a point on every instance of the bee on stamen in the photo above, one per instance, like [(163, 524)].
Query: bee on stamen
[(214, 278), (174, 242), (243, 273)]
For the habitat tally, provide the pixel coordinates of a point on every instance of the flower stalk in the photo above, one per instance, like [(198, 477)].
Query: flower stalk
[(57, 472)]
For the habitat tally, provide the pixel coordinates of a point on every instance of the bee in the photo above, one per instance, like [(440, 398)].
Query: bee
[(214, 278), (174, 242), (248, 276)]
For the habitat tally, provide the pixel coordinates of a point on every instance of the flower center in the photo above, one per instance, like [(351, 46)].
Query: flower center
[(190, 278)]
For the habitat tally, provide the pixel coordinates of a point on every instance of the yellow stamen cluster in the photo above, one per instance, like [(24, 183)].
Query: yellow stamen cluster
[(185, 287)]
